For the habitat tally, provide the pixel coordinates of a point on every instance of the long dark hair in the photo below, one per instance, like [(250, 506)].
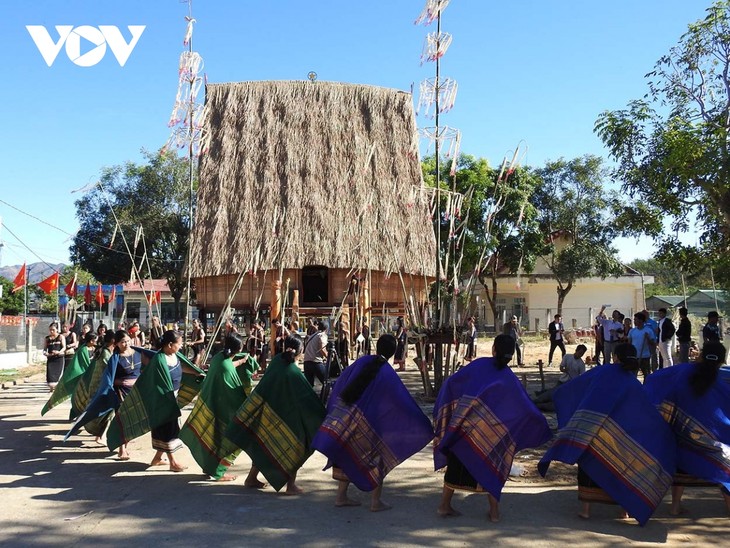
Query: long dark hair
[(292, 348), (232, 345), (385, 349), (626, 356), (705, 372), (503, 349)]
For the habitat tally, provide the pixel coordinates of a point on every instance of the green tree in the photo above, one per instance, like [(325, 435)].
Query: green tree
[(153, 195), (572, 204), (672, 148), (500, 234), (10, 303)]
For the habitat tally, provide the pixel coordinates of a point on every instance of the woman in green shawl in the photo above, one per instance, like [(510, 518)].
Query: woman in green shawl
[(276, 423), (224, 390)]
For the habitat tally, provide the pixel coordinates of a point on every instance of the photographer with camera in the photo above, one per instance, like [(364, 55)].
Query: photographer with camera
[(315, 354)]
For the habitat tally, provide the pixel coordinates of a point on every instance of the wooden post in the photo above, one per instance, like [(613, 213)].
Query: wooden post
[(345, 323), (365, 298), (275, 311), (542, 374)]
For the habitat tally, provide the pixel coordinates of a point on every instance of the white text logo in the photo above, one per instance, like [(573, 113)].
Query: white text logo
[(71, 36)]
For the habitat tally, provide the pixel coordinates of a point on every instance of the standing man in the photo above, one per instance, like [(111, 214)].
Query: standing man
[(684, 335), (711, 331), (665, 336), (557, 332), (644, 341), (612, 330), (315, 354), (598, 351), (654, 326), (513, 329)]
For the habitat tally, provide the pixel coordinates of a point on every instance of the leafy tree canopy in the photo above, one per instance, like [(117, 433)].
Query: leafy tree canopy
[(153, 195), (573, 213), (672, 147)]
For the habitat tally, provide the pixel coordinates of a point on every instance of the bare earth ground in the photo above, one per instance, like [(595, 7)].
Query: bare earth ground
[(77, 493)]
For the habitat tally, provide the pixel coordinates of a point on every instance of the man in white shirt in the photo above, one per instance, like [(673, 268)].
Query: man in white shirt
[(612, 331), (315, 354), (571, 366)]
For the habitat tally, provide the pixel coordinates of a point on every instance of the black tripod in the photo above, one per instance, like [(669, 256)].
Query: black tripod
[(332, 370)]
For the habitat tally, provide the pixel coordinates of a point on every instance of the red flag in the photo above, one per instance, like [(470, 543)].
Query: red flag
[(19, 281), (87, 294), (113, 294), (50, 284), (158, 297), (70, 288), (99, 295)]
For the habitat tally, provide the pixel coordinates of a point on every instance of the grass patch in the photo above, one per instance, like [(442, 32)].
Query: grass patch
[(9, 375)]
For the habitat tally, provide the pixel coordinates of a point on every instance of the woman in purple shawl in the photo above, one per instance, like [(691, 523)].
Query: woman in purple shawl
[(483, 417), (694, 399), (372, 425)]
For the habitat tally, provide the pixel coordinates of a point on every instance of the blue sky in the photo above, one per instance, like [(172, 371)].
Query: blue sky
[(536, 71)]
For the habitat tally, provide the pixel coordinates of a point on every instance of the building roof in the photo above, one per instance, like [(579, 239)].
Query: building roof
[(671, 300), (311, 173), (722, 296)]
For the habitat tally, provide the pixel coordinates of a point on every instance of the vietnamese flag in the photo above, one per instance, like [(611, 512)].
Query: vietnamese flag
[(113, 294), (70, 288), (50, 284), (19, 281), (87, 294), (99, 295)]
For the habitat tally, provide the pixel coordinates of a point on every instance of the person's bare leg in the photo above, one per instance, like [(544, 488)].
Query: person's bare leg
[(585, 510), (291, 486), (252, 479), (493, 509), (342, 498), (676, 508), (175, 465), (123, 453), (445, 509), (157, 460), (376, 503)]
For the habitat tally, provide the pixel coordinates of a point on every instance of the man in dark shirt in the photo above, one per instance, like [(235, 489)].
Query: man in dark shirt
[(664, 339), (684, 335), (557, 332), (711, 331)]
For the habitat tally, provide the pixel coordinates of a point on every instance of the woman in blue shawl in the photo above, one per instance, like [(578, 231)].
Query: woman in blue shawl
[(483, 416), (694, 398), (623, 447), (372, 425)]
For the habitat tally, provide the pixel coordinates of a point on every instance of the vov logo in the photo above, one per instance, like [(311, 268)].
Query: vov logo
[(71, 36)]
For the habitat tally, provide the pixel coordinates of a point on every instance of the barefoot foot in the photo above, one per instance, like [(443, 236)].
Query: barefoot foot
[(159, 462), (448, 512), (380, 507), (347, 502), (254, 484), (227, 477), (292, 490), (177, 468)]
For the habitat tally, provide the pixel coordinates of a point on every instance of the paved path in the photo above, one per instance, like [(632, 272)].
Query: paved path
[(76, 494)]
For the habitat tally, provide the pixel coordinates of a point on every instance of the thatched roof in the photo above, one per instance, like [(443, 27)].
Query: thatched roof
[(311, 173)]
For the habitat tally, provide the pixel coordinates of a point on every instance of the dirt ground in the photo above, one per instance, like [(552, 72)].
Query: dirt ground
[(77, 493)]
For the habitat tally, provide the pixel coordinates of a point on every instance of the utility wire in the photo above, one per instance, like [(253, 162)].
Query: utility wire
[(75, 236)]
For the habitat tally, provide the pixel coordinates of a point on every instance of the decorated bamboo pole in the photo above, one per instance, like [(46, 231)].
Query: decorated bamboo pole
[(295, 310)]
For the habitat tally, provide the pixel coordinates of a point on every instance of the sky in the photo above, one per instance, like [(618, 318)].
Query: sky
[(535, 72)]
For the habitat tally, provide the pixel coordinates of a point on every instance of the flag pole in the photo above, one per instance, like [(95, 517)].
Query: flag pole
[(25, 301)]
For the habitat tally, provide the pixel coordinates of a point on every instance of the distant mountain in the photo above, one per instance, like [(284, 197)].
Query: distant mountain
[(37, 272)]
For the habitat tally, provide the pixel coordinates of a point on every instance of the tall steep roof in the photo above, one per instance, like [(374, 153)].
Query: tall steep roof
[(311, 173)]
